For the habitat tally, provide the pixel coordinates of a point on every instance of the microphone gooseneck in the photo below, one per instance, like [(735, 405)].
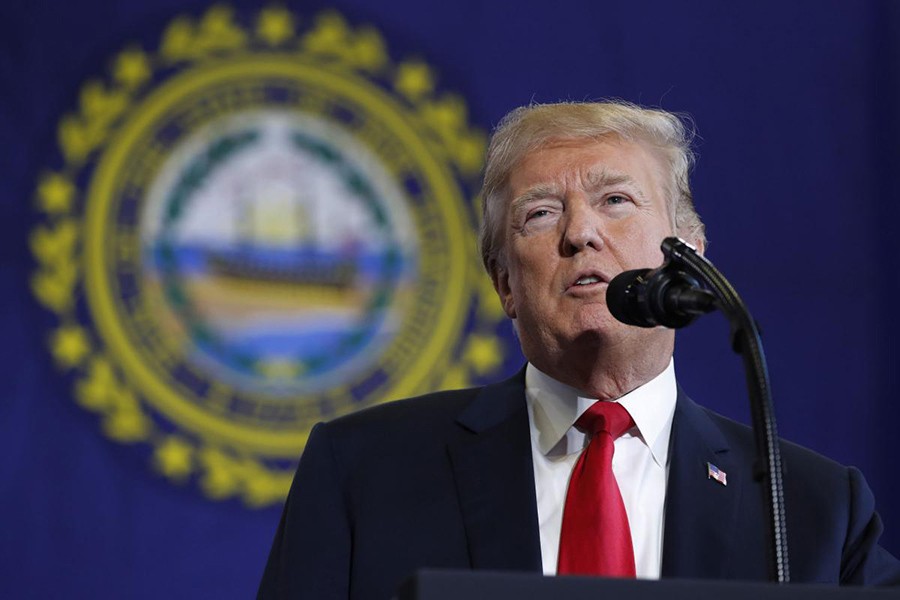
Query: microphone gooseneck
[(671, 295)]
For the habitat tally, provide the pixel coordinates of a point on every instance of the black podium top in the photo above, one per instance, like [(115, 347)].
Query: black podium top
[(484, 585)]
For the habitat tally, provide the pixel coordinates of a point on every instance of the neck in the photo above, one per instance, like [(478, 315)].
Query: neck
[(609, 371)]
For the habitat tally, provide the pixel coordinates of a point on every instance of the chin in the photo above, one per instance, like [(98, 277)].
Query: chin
[(601, 329), (595, 319)]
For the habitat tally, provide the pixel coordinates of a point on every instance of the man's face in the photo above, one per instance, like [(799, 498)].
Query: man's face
[(580, 213)]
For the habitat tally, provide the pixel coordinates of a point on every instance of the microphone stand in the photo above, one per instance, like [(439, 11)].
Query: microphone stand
[(745, 340)]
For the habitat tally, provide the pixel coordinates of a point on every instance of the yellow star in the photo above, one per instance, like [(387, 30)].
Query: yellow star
[(414, 79), (469, 152), (70, 345), (174, 457), (132, 67), (368, 49), (483, 353), (448, 114), (56, 193), (126, 426), (455, 377), (220, 477), (262, 488), (275, 25)]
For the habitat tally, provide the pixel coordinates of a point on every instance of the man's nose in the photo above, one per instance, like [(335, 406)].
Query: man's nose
[(582, 229)]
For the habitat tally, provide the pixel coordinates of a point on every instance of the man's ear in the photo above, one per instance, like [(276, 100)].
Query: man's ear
[(500, 279), (700, 245)]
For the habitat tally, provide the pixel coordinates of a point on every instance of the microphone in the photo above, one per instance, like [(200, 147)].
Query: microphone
[(665, 296)]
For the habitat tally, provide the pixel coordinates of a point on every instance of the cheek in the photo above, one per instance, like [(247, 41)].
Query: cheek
[(645, 238), (519, 282), (528, 279), (524, 259)]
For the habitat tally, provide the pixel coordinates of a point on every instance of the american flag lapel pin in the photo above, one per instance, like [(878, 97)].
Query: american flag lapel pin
[(714, 472)]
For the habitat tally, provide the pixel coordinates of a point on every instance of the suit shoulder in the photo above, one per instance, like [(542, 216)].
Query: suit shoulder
[(397, 437), (401, 417), (798, 459)]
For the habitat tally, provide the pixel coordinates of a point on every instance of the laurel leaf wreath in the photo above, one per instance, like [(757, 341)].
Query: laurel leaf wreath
[(223, 472)]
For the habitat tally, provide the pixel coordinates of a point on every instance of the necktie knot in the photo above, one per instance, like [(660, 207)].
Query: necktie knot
[(610, 417)]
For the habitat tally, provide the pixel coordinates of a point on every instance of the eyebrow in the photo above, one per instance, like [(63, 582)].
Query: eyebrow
[(540, 190), (599, 178)]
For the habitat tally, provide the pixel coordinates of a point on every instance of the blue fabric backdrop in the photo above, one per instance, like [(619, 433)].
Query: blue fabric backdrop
[(797, 107)]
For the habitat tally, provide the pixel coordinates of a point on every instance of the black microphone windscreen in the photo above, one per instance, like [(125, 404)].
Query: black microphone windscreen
[(621, 297)]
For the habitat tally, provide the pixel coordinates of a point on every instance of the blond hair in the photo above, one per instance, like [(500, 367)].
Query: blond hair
[(529, 128)]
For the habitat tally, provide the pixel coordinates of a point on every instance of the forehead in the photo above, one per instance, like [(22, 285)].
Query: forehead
[(589, 163)]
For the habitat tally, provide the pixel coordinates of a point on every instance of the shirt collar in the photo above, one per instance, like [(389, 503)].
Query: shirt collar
[(555, 406)]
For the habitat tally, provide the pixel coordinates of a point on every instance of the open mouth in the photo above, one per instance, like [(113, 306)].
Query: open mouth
[(587, 280)]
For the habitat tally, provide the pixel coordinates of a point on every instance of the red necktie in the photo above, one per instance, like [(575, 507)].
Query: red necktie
[(595, 537)]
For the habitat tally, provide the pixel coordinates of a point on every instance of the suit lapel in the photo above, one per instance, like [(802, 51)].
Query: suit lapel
[(492, 466), (700, 512)]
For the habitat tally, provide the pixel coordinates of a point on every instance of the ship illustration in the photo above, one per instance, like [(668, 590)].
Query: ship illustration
[(277, 245)]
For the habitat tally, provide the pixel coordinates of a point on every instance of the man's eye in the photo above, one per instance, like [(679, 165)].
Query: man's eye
[(541, 212), (616, 199)]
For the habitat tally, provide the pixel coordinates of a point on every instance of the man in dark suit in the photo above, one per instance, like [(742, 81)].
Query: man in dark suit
[(489, 478)]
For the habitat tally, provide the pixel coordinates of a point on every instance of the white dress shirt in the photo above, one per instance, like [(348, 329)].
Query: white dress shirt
[(640, 460)]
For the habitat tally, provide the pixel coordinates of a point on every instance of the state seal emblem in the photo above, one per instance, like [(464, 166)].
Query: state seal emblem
[(255, 227)]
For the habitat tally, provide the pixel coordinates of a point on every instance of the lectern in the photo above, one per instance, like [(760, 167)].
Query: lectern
[(486, 585)]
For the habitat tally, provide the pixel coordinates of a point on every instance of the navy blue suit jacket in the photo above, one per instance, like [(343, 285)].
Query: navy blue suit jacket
[(446, 481)]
